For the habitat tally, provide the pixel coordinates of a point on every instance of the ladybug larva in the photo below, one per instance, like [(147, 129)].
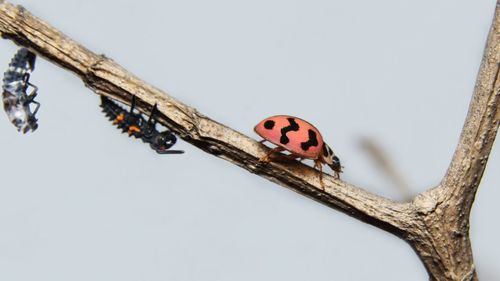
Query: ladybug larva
[(301, 139), (136, 125)]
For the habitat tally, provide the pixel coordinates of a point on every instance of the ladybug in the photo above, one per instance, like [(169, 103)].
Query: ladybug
[(301, 139)]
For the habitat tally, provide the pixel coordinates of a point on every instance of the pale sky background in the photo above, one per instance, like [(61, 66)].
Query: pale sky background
[(80, 201)]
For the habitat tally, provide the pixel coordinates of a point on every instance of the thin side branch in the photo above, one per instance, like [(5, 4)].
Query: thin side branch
[(105, 77)]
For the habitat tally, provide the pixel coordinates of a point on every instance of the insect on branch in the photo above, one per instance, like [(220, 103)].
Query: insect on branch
[(425, 223), (107, 78)]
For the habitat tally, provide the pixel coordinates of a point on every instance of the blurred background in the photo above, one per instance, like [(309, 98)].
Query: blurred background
[(80, 201)]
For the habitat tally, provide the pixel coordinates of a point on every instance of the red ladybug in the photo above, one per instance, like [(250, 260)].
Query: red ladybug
[(301, 139)]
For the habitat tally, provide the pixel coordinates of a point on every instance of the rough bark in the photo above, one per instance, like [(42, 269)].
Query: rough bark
[(435, 223), (446, 251)]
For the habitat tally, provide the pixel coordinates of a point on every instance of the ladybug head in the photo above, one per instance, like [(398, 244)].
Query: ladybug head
[(163, 141), (335, 166), (330, 159)]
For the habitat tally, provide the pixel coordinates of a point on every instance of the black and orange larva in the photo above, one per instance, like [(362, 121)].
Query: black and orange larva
[(136, 125)]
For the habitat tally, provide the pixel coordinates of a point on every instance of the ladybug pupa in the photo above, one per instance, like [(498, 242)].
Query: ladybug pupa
[(301, 139)]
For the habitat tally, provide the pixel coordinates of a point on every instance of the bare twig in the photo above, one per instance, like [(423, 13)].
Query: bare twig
[(435, 223)]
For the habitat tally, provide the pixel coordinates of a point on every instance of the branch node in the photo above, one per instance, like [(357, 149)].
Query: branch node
[(425, 203)]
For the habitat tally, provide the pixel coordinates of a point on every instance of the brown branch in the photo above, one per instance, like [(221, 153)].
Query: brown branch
[(481, 126), (443, 241), (447, 225), (105, 77), (435, 223)]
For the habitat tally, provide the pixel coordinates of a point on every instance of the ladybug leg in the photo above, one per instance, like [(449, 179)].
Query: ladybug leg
[(267, 158), (292, 157), (132, 104), (318, 164), (37, 106), (151, 119)]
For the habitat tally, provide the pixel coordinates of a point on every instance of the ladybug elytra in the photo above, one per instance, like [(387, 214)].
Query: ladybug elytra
[(301, 139)]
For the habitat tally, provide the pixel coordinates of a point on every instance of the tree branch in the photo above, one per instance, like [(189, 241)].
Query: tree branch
[(443, 241), (105, 77), (435, 223), (481, 125)]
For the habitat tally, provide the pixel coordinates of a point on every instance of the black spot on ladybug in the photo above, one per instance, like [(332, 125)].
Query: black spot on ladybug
[(292, 127), (313, 141), (269, 124)]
